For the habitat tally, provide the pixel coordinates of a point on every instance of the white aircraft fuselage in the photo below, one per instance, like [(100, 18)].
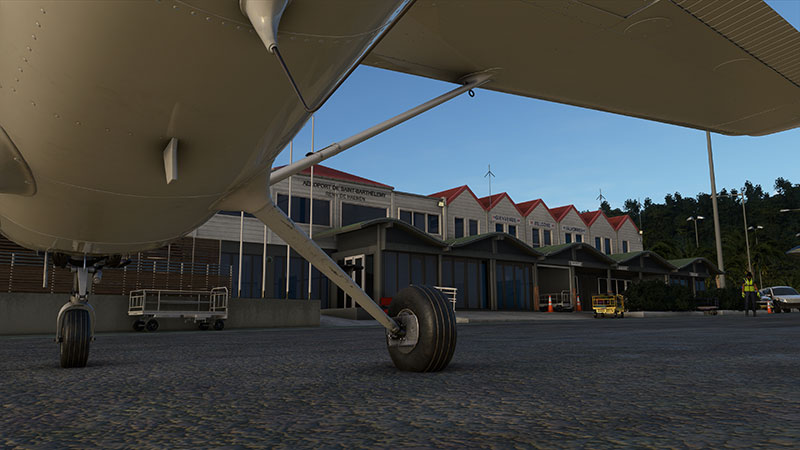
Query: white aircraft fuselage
[(92, 92)]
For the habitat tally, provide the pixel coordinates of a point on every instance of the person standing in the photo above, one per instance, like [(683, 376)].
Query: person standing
[(749, 294)]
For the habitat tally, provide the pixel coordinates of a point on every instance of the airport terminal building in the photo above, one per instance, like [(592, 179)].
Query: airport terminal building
[(496, 253)]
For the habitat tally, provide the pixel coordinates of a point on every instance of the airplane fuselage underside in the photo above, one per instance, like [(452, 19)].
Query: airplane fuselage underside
[(92, 93)]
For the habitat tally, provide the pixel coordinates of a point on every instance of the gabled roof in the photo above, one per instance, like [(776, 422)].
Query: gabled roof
[(333, 174), (526, 208), (381, 220), (490, 201), (467, 240), (451, 194), (625, 257), (685, 262), (618, 221), (562, 211), (592, 216), (555, 249)]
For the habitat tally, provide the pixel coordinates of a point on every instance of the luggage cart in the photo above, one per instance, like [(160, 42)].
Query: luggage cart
[(611, 304), (205, 308)]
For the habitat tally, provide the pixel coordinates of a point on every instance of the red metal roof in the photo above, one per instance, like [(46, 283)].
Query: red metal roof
[(327, 172), (618, 221), (451, 194), (490, 201), (562, 211)]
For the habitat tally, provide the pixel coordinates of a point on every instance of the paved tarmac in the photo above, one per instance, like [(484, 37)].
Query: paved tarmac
[(707, 382)]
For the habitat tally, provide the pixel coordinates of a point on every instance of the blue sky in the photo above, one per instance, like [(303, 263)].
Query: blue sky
[(537, 149)]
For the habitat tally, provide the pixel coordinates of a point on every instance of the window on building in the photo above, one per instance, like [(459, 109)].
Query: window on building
[(700, 285), (459, 224), (469, 277), (498, 227), (578, 237), (433, 223), (401, 269), (624, 246), (419, 221), (300, 209), (535, 237), (512, 230), (473, 227), (514, 286), (567, 238), (547, 238), (359, 213), (598, 244), (608, 246)]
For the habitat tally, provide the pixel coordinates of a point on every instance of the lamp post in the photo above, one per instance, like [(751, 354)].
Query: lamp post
[(696, 238), (755, 230), (744, 217)]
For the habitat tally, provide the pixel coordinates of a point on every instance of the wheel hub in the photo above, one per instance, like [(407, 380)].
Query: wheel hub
[(409, 323)]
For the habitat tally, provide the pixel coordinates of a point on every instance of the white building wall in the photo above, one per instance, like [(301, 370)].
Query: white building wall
[(602, 229), (629, 233), (466, 207), (539, 220), (421, 204), (505, 214), (572, 223)]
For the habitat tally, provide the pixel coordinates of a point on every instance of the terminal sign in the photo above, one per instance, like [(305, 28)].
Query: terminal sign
[(573, 229), (507, 219), (346, 192), (538, 224)]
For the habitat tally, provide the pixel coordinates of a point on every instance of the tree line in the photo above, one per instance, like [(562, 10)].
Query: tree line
[(666, 230)]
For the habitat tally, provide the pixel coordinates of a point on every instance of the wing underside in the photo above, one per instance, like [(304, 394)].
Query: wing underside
[(726, 67)]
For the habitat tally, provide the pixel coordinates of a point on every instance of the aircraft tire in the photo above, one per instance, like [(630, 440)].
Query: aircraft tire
[(75, 338), (437, 329)]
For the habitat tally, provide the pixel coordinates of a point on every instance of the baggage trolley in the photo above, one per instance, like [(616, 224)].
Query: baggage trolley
[(205, 308)]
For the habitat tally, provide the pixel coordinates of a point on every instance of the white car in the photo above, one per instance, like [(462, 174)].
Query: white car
[(783, 298)]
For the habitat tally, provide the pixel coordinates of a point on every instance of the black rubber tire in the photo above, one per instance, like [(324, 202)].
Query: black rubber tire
[(203, 326), (151, 325), (437, 329), (219, 324), (595, 315), (138, 325), (621, 315), (76, 328), (776, 310)]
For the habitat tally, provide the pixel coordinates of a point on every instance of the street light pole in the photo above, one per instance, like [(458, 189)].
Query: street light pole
[(717, 237), (696, 238), (755, 230), (746, 239)]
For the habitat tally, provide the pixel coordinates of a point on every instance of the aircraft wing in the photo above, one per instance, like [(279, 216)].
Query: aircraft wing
[(730, 67)]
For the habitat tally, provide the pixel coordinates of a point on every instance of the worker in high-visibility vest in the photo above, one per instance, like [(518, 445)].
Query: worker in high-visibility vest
[(749, 294)]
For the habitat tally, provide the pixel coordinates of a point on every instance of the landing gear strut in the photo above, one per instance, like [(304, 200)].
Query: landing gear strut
[(76, 319)]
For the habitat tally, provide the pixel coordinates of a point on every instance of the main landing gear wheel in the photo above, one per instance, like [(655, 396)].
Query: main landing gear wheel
[(76, 331), (429, 323)]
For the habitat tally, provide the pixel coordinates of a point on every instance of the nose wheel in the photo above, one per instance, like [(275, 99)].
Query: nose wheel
[(428, 323), (75, 338)]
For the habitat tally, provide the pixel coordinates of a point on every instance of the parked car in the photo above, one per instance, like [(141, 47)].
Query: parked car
[(782, 298)]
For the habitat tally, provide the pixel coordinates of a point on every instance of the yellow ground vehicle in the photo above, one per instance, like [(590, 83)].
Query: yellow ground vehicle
[(611, 304)]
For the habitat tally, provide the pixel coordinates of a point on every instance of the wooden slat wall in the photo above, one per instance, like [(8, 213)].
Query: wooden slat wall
[(187, 264)]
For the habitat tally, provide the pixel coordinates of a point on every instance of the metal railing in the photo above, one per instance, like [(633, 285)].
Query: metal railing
[(449, 292), (560, 298)]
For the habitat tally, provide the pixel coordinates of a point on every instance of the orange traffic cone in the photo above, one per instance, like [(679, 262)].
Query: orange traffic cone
[(769, 308), (579, 304), (549, 303)]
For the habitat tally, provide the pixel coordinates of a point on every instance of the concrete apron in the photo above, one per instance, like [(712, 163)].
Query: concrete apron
[(23, 313)]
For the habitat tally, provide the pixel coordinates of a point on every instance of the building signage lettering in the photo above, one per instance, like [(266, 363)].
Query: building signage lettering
[(572, 229), (538, 224), (576, 263), (349, 193), (622, 268), (694, 274), (507, 219)]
